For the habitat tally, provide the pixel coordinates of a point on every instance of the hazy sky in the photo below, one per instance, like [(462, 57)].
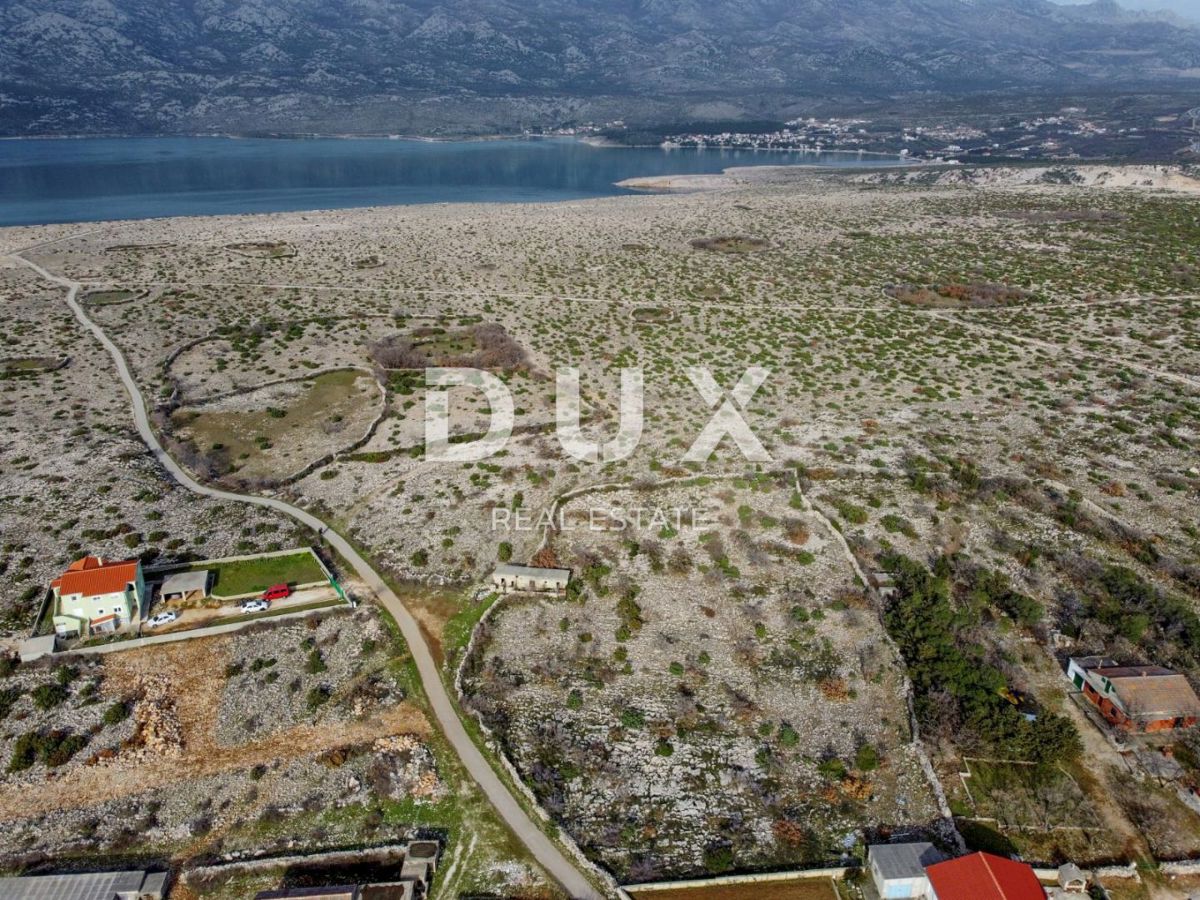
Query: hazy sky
[(1189, 8)]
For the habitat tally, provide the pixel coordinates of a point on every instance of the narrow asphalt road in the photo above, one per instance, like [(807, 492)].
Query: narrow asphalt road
[(540, 846)]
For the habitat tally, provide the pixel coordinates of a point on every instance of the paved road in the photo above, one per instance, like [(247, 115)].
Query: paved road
[(540, 846)]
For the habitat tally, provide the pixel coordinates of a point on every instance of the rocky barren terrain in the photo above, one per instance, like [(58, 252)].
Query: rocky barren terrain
[(981, 416)]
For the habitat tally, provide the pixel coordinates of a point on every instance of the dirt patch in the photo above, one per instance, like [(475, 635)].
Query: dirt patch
[(29, 365), (958, 295), (482, 347), (109, 298), (652, 315), (737, 243), (179, 689), (137, 248), (263, 249), (275, 431)]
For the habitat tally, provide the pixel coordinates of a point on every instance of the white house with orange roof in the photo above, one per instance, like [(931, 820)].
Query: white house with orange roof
[(95, 596)]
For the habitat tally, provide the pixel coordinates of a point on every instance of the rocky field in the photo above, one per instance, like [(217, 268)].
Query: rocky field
[(981, 422)]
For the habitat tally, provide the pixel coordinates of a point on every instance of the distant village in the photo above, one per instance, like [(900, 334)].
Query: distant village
[(1070, 134)]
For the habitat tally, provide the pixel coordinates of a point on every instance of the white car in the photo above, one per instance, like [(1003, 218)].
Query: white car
[(249, 606), (161, 619)]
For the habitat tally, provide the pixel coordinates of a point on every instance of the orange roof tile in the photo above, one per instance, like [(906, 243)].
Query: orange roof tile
[(92, 576), (983, 876)]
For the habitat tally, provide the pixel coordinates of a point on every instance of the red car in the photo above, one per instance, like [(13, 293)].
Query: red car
[(277, 592)]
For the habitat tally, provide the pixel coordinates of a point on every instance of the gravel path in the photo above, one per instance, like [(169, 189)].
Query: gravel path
[(539, 845)]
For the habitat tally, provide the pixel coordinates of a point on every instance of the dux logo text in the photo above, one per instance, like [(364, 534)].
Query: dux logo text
[(727, 420)]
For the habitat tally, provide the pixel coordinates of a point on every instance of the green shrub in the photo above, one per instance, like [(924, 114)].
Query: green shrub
[(317, 697), (49, 695), (832, 768), (895, 524), (117, 713), (633, 718), (718, 859), (8, 699), (52, 748), (316, 662), (925, 626), (867, 758), (852, 513)]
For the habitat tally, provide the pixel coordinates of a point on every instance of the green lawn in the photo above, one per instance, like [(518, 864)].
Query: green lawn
[(457, 632), (232, 579), (108, 298)]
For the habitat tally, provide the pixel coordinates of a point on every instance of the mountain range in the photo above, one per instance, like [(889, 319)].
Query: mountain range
[(487, 66)]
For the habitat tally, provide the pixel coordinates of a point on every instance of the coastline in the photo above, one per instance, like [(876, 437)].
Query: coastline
[(735, 176), (373, 172), (291, 136), (590, 140)]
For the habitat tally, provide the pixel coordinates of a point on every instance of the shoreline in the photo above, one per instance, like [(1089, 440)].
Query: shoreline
[(740, 176), (590, 140), (287, 136)]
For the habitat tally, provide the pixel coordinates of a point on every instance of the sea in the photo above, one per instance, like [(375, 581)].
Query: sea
[(92, 179)]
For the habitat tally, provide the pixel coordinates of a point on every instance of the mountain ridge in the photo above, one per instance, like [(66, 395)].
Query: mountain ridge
[(80, 66)]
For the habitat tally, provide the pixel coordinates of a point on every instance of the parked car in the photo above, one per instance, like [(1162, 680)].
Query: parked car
[(161, 619), (277, 592), (249, 606)]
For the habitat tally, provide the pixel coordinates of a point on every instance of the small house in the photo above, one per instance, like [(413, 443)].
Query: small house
[(1071, 879), (984, 876), (1136, 698), (181, 586), (95, 596), (898, 870), (508, 578)]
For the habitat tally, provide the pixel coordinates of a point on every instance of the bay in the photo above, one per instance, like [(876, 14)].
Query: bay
[(93, 179)]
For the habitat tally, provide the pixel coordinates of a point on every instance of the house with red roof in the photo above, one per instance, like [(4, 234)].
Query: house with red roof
[(1136, 698), (96, 596), (984, 876)]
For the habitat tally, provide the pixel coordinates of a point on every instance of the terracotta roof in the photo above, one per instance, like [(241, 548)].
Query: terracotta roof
[(1113, 672), (983, 876), (92, 576), (1149, 692)]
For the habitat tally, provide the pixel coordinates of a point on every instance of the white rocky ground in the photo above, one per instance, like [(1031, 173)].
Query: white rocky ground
[(1035, 433)]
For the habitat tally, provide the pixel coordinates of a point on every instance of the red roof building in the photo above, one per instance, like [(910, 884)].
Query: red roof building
[(983, 876), (97, 595), (92, 576)]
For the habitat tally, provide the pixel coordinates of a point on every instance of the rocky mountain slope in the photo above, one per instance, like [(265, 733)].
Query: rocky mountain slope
[(486, 65)]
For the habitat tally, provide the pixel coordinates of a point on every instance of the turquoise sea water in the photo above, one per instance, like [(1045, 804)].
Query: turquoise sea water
[(90, 179)]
